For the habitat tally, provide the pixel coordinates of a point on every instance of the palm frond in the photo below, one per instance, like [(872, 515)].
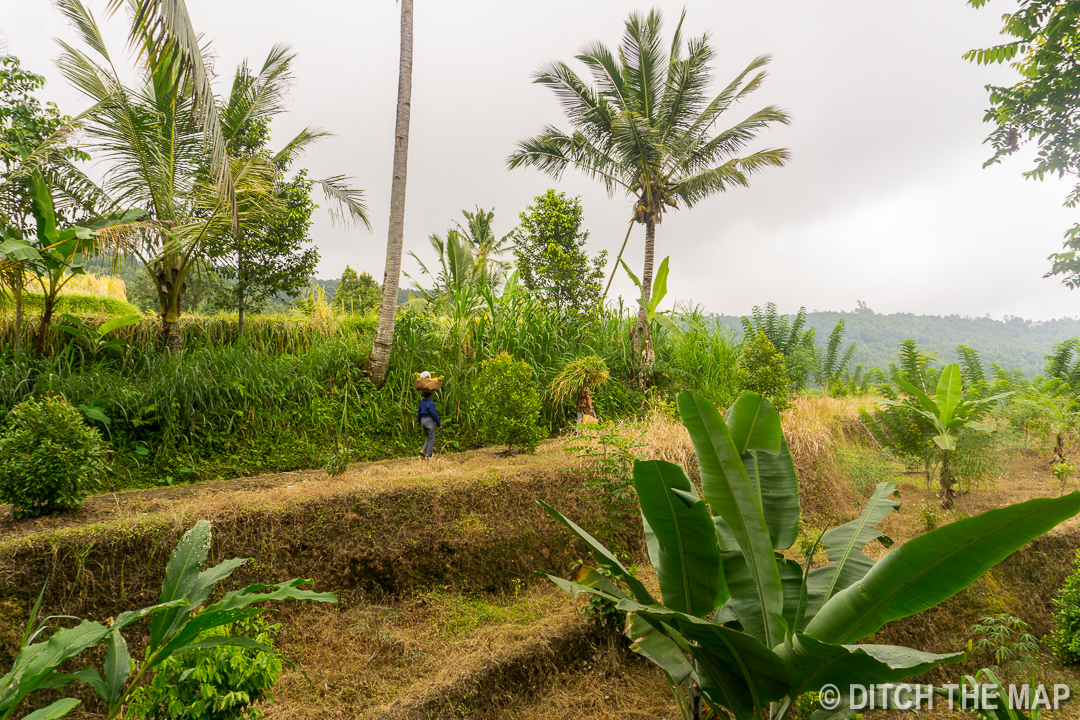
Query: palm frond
[(346, 203)]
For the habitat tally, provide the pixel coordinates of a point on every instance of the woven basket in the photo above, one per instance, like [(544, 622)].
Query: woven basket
[(428, 384)]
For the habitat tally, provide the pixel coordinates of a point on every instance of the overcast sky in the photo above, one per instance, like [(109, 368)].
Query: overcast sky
[(885, 199)]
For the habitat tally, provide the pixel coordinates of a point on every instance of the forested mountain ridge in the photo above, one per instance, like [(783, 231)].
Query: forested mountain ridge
[(1014, 343)]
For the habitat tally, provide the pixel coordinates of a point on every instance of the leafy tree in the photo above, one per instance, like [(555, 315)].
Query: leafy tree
[(506, 401), (468, 259), (832, 362), (789, 338), (742, 630), (384, 327), (1043, 104), (549, 252), (33, 138), (645, 126), (764, 372), (949, 411), (157, 135), (357, 293)]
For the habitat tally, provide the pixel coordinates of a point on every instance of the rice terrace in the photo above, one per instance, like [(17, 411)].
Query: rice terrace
[(590, 457)]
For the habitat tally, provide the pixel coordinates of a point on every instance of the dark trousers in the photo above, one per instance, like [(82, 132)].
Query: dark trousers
[(428, 424)]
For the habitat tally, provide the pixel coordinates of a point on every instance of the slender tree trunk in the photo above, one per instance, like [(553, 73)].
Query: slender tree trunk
[(170, 291), (43, 327), (20, 281), (642, 337), (239, 288), (947, 493), (384, 327)]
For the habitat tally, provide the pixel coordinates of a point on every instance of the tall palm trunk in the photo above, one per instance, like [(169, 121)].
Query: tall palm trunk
[(170, 284), (642, 335), (20, 282), (384, 328), (241, 280)]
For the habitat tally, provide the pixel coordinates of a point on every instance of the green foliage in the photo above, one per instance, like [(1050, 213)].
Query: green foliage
[(175, 629), (576, 381), (550, 256), (1065, 640), (765, 372), (357, 293), (506, 402), (1041, 106), (742, 628), (75, 304), (216, 683), (468, 261), (1005, 638), (867, 468), (49, 459), (831, 362), (790, 339), (609, 457)]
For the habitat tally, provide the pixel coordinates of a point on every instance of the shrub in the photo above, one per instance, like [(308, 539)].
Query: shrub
[(765, 372), (506, 403), (217, 683), (1066, 637), (49, 458)]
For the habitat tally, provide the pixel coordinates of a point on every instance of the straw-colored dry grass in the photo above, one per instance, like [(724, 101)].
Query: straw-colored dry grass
[(96, 285)]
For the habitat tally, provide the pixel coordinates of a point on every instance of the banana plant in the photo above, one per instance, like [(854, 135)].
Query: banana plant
[(659, 290), (950, 412), (174, 629), (59, 254), (742, 631)]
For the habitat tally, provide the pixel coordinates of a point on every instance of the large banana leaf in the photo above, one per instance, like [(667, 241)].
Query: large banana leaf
[(680, 531), (603, 557), (812, 664), (735, 670), (950, 392), (935, 566), (732, 496), (844, 546), (754, 424), (645, 639), (775, 478), (744, 600)]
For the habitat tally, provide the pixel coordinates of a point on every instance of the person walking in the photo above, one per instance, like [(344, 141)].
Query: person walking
[(428, 417)]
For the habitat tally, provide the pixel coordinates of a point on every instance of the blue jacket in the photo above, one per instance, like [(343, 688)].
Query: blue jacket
[(427, 408)]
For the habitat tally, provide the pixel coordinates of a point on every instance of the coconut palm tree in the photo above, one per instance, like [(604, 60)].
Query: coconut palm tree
[(646, 125), (161, 150), (384, 326)]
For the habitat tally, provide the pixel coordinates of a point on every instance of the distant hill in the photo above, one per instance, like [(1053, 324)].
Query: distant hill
[(1014, 344)]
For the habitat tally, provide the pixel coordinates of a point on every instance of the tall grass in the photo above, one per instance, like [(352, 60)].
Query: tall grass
[(293, 387)]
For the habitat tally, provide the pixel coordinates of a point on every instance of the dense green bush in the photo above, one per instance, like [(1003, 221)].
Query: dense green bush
[(765, 372), (49, 458), (217, 683), (506, 403), (1066, 637)]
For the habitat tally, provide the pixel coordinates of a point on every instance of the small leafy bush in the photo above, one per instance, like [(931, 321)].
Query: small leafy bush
[(49, 458), (1066, 637), (765, 372), (506, 403), (217, 683)]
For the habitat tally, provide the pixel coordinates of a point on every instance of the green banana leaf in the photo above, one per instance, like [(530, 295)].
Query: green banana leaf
[(735, 670), (603, 556), (935, 566), (811, 664), (732, 496), (54, 710), (950, 392), (744, 600), (844, 546), (681, 538)]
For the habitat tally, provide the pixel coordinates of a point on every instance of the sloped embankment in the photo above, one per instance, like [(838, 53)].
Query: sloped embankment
[(466, 521)]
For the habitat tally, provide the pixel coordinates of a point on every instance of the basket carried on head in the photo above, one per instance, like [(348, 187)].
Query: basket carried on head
[(429, 384)]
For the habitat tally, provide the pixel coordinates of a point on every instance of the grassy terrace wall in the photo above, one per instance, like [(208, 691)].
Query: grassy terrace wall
[(466, 522)]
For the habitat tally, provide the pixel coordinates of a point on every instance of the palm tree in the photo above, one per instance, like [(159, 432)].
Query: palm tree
[(646, 126), (161, 148), (384, 327)]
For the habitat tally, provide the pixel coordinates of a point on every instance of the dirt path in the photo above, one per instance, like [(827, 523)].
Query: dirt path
[(210, 498)]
